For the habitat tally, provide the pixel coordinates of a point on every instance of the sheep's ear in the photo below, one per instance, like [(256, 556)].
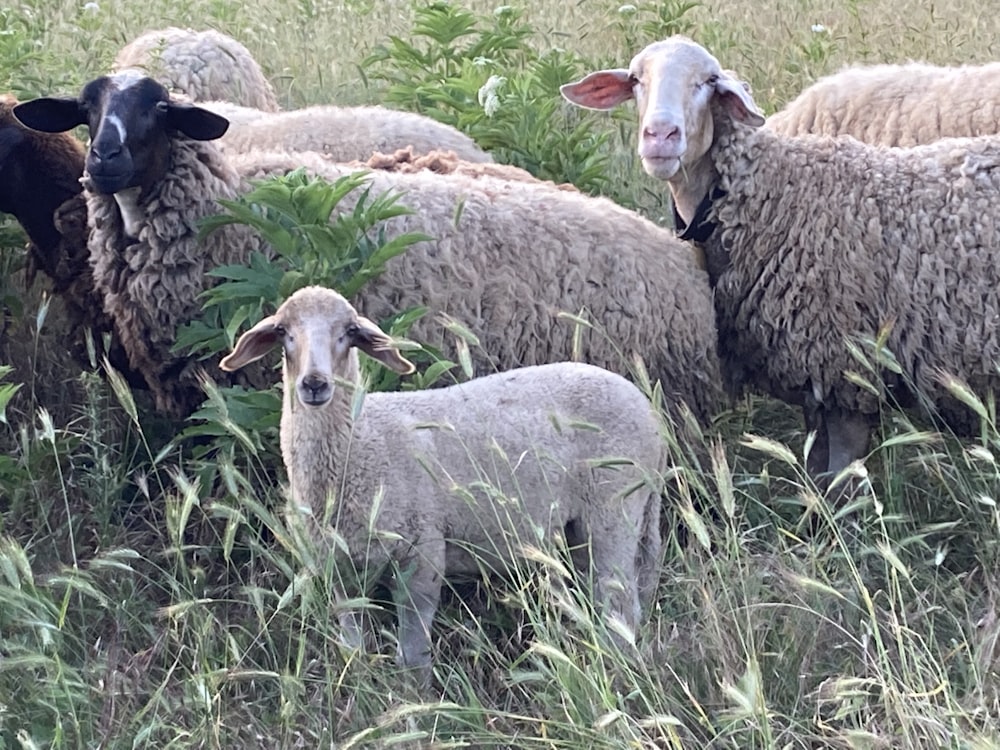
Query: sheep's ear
[(253, 344), (370, 339), (604, 89), (195, 122), (51, 114), (735, 96)]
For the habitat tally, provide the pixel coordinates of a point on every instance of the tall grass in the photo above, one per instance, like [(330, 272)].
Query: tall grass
[(153, 596)]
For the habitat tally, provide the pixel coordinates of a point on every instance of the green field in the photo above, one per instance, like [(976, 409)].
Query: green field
[(149, 597)]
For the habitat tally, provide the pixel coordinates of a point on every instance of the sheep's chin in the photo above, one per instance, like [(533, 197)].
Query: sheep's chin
[(661, 167)]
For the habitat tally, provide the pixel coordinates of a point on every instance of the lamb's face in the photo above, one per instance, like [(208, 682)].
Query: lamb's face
[(317, 328), (317, 340), (674, 83)]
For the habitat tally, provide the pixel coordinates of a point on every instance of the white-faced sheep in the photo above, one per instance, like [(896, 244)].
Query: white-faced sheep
[(813, 240), (343, 134), (506, 258), (897, 105), (205, 65), (40, 186), (437, 482)]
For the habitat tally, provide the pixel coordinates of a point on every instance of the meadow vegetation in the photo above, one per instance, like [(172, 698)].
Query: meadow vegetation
[(152, 595)]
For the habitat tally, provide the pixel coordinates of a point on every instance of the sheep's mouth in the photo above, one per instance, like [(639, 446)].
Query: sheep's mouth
[(661, 167), (108, 183)]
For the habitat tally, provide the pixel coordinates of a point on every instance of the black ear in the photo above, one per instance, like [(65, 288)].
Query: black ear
[(51, 114), (195, 122)]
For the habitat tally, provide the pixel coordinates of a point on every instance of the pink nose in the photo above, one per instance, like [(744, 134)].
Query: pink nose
[(661, 132)]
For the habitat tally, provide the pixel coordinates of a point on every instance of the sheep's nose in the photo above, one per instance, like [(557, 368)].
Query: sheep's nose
[(315, 390), (661, 132), (105, 151)]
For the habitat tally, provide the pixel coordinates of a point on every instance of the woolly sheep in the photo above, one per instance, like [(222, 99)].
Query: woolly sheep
[(397, 481), (897, 105), (811, 241), (447, 162), (507, 257), (205, 65), (343, 134), (40, 186)]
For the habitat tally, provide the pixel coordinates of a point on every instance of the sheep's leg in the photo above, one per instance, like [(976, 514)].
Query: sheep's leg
[(417, 592), (848, 435), (616, 588), (819, 454)]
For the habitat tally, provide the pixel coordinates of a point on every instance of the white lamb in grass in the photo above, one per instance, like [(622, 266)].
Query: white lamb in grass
[(402, 477)]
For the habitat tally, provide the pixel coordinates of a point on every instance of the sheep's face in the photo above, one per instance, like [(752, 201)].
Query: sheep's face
[(674, 83), (131, 120), (317, 329)]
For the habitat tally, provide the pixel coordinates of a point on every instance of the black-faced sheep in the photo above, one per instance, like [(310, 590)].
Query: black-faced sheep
[(897, 105), (506, 259), (811, 241), (40, 186), (205, 65), (403, 482)]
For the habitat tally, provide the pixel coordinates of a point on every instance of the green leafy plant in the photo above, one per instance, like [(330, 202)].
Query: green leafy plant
[(481, 75), (294, 214)]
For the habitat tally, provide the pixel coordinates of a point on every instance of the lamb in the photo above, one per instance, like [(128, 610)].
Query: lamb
[(506, 259), (813, 240), (897, 105), (343, 134), (39, 185), (527, 449), (206, 65)]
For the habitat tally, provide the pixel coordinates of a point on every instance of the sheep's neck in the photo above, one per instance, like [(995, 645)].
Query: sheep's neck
[(691, 185), (316, 443)]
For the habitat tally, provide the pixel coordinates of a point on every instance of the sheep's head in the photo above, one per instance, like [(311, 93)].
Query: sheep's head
[(675, 83), (131, 118), (318, 330)]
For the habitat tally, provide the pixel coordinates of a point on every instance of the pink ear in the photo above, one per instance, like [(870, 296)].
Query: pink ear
[(739, 104), (253, 344), (604, 89)]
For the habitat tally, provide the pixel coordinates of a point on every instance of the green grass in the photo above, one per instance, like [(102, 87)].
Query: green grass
[(152, 597)]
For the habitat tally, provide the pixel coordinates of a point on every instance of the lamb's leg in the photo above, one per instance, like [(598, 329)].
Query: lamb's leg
[(613, 555), (417, 592)]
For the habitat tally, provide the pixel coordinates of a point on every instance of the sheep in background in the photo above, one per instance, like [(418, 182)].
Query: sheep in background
[(402, 481), (447, 162), (344, 134), (811, 241), (205, 65), (897, 105), (40, 186), (507, 258)]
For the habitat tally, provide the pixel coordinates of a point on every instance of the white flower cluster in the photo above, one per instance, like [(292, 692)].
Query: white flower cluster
[(488, 98)]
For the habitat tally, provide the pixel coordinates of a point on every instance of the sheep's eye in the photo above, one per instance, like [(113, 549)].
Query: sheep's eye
[(712, 80), (162, 107), (633, 80), (352, 331), (280, 331)]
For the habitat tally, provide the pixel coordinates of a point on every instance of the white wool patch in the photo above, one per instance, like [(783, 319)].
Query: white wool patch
[(127, 78), (132, 215)]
